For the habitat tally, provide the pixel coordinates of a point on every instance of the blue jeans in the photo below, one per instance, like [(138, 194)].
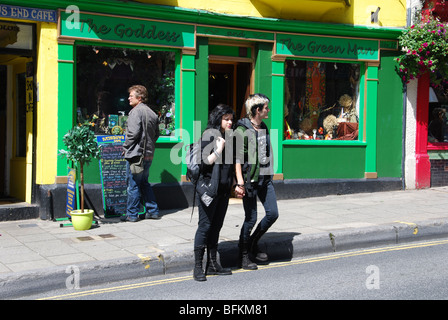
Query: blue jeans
[(266, 194), (140, 191)]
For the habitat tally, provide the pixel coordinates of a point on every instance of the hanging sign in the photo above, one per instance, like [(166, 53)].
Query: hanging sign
[(29, 87), (310, 46), (118, 29)]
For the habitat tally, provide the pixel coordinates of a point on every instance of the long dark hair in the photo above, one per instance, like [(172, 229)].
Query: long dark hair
[(214, 120)]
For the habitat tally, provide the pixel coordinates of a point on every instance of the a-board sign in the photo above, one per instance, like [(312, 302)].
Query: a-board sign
[(71, 191), (113, 175)]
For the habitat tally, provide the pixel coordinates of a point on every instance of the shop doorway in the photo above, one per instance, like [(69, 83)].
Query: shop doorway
[(15, 128), (229, 83), (3, 101), (17, 104)]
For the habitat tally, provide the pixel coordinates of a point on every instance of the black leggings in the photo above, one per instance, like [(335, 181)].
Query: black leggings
[(211, 219)]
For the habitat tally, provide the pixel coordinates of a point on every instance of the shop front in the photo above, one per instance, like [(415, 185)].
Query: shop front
[(336, 101), (19, 62), (427, 164)]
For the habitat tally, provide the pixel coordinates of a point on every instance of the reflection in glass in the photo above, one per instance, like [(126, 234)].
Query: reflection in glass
[(321, 100), (104, 76)]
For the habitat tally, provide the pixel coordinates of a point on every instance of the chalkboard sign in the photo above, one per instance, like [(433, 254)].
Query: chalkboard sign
[(113, 178)]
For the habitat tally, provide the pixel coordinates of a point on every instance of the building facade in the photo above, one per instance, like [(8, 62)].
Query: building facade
[(426, 147), (336, 118)]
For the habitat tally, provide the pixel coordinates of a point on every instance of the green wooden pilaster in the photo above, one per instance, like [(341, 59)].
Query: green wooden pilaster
[(188, 101), (201, 106), (371, 116), (277, 97), (66, 111)]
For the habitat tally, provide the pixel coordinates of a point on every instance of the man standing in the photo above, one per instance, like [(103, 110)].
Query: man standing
[(253, 170), (142, 126)]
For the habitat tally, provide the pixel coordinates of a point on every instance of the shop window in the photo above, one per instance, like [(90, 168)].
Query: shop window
[(104, 75), (437, 118), (321, 100)]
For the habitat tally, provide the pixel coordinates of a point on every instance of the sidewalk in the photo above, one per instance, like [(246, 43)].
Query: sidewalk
[(115, 250)]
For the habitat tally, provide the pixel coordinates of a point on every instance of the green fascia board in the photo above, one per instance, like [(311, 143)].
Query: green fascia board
[(197, 16)]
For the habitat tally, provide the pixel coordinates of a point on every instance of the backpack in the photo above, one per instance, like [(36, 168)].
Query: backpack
[(193, 159)]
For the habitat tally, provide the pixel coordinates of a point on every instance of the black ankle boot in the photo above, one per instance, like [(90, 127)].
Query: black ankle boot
[(213, 266), (245, 262), (253, 245), (198, 272)]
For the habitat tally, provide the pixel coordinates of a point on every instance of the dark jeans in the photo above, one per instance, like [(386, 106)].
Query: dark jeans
[(266, 194), (140, 191), (211, 219)]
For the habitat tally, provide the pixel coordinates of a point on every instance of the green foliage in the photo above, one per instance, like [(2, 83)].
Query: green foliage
[(425, 49), (81, 145)]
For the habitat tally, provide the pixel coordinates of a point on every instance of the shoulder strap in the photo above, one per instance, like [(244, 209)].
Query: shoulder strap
[(194, 198), (145, 132)]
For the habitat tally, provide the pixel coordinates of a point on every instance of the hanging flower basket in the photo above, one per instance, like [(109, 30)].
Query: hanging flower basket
[(425, 49)]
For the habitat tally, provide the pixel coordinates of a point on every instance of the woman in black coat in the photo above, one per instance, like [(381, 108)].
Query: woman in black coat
[(213, 190)]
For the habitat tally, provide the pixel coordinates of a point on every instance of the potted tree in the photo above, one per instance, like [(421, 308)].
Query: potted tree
[(81, 149)]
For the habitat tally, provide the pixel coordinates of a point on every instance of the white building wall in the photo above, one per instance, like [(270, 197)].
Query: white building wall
[(410, 134)]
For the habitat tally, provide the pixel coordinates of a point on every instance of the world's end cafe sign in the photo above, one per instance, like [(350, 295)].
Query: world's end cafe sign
[(327, 47), (91, 26)]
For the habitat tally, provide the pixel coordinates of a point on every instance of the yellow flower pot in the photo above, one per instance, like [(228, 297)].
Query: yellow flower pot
[(82, 220)]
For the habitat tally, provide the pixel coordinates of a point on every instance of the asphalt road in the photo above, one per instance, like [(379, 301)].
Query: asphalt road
[(415, 271)]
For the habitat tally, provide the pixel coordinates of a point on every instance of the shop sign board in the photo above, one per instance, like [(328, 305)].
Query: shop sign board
[(23, 13), (310, 46), (71, 191), (235, 33), (128, 30)]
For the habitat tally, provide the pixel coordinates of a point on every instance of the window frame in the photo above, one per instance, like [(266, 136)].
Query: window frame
[(361, 141), (177, 80)]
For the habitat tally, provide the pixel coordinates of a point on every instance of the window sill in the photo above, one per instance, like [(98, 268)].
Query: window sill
[(168, 139), (437, 146), (345, 143)]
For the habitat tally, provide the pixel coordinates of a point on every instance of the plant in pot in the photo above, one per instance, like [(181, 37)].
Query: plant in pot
[(81, 148)]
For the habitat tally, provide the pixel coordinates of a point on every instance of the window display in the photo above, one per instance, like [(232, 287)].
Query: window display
[(321, 100), (103, 77), (437, 118)]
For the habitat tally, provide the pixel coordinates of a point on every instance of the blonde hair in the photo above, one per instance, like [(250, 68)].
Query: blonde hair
[(254, 102), (140, 92)]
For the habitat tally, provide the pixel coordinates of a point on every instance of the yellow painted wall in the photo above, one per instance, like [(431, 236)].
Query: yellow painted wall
[(391, 14), (47, 106)]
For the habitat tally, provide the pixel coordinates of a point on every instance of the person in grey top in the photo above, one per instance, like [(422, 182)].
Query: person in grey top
[(142, 122)]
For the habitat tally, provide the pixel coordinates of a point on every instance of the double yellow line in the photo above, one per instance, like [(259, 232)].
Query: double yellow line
[(270, 266)]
